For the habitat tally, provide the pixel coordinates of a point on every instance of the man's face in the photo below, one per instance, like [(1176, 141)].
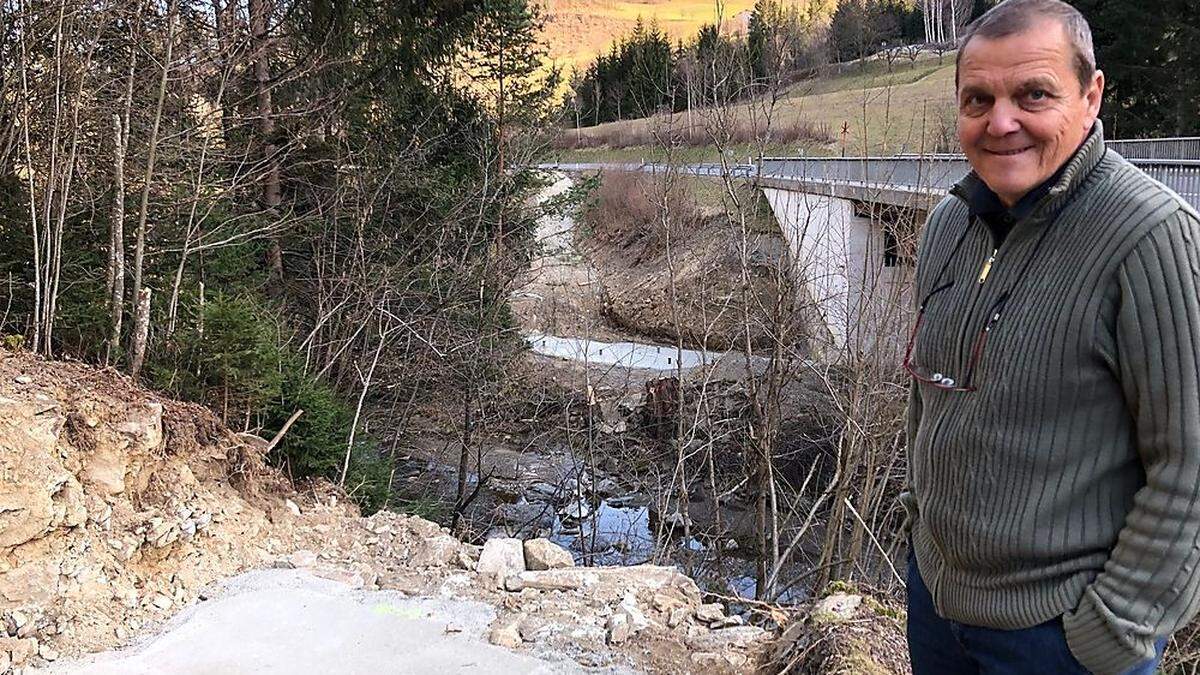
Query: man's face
[(1021, 111)]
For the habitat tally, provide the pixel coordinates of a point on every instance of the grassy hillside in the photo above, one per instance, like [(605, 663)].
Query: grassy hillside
[(578, 30), (907, 108)]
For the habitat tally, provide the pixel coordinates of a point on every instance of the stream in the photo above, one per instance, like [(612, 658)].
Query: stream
[(619, 532), (597, 519), (544, 490)]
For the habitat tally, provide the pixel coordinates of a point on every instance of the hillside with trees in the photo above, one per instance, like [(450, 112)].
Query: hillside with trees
[(272, 208), (645, 72), (577, 31)]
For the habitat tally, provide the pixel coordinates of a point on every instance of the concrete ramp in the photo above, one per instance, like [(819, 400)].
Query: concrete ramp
[(287, 621)]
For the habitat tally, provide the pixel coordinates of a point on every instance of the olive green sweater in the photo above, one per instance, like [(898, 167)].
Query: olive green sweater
[(1068, 483)]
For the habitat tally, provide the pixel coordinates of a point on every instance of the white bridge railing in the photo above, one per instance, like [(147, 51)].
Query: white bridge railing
[(1158, 148)]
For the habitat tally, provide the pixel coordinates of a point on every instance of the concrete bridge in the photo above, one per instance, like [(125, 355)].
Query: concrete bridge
[(852, 224), (902, 179)]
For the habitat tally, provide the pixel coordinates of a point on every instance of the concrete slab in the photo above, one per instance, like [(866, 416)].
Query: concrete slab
[(288, 621)]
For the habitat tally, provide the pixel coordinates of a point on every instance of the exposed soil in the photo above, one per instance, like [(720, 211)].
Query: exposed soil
[(562, 292), (614, 272), (120, 508)]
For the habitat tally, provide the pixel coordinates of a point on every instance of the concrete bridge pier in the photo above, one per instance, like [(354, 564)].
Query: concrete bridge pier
[(851, 270)]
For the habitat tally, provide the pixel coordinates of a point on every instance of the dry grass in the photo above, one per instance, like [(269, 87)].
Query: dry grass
[(579, 30), (667, 252), (881, 114), (694, 136), (870, 74), (626, 207), (625, 210)]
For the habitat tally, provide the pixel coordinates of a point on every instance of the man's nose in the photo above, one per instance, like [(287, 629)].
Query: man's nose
[(1003, 119)]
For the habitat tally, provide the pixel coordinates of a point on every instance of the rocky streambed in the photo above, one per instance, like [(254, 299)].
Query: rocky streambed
[(602, 519)]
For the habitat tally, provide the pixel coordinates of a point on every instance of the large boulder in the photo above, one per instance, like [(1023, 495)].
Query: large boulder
[(710, 613), (438, 551), (564, 579), (501, 557), (543, 554), (836, 608), (612, 583), (105, 470), (619, 629)]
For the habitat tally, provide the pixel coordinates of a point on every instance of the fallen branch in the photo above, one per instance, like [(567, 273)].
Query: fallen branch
[(286, 425)]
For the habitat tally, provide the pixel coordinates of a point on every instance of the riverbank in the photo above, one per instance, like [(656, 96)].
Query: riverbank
[(143, 525)]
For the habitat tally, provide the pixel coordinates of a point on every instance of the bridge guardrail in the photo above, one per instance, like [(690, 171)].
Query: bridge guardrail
[(937, 173), (1157, 148), (932, 174)]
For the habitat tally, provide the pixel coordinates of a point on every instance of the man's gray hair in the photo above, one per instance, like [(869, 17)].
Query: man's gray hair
[(1015, 16)]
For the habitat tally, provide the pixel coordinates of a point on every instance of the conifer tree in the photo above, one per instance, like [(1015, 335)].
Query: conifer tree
[(1150, 62)]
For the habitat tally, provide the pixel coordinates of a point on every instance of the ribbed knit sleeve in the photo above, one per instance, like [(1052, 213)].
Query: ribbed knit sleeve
[(1149, 585)]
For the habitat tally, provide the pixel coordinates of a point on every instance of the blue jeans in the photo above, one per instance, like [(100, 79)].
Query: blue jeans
[(939, 646)]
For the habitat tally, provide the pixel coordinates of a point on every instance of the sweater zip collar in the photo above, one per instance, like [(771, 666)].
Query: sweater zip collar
[(1047, 207)]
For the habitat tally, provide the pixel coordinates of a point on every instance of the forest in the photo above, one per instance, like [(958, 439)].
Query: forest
[(271, 207)]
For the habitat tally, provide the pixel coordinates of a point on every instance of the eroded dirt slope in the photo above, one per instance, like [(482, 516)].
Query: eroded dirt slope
[(119, 508)]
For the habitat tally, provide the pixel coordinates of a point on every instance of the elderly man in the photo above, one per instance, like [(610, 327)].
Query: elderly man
[(1054, 423)]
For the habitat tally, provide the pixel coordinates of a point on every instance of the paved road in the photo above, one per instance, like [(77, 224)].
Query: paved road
[(290, 622)]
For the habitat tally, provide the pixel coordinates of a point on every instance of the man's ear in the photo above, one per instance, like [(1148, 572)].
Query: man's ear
[(1094, 94)]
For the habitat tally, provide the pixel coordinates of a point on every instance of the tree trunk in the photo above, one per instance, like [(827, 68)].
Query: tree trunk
[(464, 457), (141, 328), (260, 15), (34, 232), (366, 385), (116, 241), (225, 22), (941, 20), (116, 288), (500, 117), (139, 249)]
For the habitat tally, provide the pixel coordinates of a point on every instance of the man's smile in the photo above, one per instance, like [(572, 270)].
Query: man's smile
[(1008, 153)]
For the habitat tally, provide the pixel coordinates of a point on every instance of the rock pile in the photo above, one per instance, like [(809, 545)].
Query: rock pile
[(119, 508)]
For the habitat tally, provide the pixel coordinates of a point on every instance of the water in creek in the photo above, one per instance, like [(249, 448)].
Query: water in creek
[(619, 532), (592, 517), (613, 535)]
